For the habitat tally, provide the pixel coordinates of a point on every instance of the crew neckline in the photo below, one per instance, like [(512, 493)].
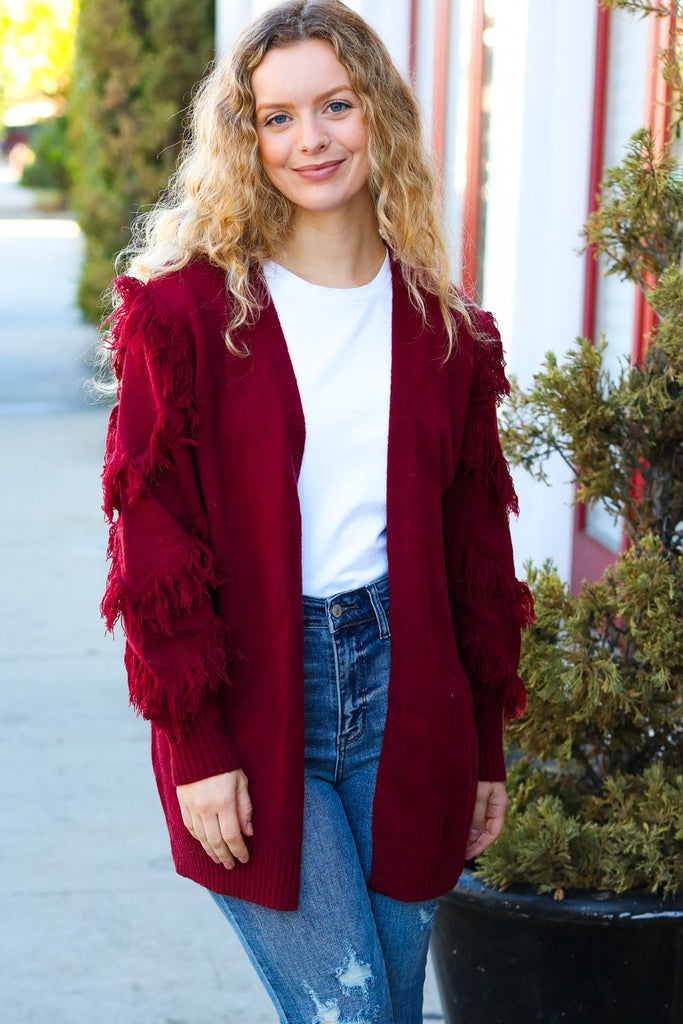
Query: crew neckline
[(275, 273)]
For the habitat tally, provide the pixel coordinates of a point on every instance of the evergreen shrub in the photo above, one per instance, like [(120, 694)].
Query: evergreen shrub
[(49, 167), (596, 780), (135, 65)]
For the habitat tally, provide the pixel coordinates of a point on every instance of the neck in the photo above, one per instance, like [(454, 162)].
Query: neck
[(335, 248)]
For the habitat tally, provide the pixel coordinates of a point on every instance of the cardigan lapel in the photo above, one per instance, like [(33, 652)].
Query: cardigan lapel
[(407, 342), (269, 336)]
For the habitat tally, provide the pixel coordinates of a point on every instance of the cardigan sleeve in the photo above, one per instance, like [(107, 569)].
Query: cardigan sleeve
[(489, 605), (162, 572)]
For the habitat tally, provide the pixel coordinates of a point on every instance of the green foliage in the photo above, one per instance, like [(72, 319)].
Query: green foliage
[(558, 838), (597, 784), (36, 50), (639, 222), (672, 57), (136, 64), (641, 7), (49, 169)]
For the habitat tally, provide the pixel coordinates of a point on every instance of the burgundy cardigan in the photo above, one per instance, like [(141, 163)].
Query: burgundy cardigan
[(200, 488)]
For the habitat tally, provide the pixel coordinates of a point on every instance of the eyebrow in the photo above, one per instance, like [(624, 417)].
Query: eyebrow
[(316, 99)]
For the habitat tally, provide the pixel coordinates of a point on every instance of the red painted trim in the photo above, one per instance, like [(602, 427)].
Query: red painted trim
[(472, 196), (441, 40), (596, 164), (589, 556), (412, 40), (657, 118), (657, 90)]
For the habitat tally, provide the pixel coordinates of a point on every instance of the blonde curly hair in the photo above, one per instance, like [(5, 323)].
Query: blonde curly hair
[(221, 205)]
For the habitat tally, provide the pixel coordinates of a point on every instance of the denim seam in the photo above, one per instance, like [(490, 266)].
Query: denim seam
[(380, 613), (339, 754)]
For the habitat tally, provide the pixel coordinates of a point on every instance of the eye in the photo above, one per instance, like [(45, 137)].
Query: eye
[(277, 119), (338, 106)]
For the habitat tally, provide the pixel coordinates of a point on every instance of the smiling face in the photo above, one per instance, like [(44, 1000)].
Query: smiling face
[(311, 133)]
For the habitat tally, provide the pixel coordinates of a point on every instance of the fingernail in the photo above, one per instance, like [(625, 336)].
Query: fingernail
[(229, 866), (249, 828), (243, 860)]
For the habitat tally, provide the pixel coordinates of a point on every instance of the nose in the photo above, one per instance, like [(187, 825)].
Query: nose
[(312, 136)]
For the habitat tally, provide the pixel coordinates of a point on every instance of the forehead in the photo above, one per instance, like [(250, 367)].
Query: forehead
[(298, 68)]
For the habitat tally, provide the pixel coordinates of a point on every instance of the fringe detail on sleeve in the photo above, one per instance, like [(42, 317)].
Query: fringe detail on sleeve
[(481, 662), (478, 575), (177, 587), (482, 458), (169, 693), (172, 373), (481, 454), (172, 706), (490, 369)]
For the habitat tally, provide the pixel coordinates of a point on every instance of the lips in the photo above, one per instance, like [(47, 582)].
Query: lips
[(318, 172)]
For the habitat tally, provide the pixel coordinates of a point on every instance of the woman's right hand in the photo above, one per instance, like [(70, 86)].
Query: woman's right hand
[(217, 812)]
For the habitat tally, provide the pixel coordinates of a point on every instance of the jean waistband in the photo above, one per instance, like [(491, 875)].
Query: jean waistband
[(351, 608)]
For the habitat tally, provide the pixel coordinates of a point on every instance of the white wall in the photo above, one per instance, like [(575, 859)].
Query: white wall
[(538, 200), (390, 18)]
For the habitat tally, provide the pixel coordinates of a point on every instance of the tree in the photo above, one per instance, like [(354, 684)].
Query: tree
[(36, 50), (136, 63)]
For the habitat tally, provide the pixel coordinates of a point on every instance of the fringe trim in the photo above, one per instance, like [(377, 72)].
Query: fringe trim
[(481, 664), (481, 575), (177, 587), (489, 354), (173, 703), (140, 472), (483, 459), (172, 373)]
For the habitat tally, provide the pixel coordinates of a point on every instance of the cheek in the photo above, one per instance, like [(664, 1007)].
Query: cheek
[(358, 140), (270, 153)]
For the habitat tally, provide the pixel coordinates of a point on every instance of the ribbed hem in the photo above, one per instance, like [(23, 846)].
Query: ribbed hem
[(270, 879), (204, 749), (436, 875), (488, 715)]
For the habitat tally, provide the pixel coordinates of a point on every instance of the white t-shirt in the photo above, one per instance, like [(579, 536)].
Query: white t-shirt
[(339, 342)]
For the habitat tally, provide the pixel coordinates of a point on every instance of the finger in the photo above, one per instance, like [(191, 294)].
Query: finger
[(494, 825), (479, 815), (186, 816), (220, 852), (199, 833), (495, 807), (244, 808), (478, 846), (232, 837)]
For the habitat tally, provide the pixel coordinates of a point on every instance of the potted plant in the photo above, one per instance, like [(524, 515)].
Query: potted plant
[(576, 913)]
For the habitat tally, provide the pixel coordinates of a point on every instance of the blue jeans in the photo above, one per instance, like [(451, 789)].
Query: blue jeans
[(347, 955)]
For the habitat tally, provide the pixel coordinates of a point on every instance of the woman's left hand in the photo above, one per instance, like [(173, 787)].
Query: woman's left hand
[(488, 818)]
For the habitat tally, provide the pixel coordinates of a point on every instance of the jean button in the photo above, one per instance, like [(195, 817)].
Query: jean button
[(337, 611)]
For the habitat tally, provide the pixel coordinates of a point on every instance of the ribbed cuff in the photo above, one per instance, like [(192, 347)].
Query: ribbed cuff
[(488, 715), (204, 749)]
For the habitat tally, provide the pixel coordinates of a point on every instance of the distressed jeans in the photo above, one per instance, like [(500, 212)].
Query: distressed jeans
[(347, 955)]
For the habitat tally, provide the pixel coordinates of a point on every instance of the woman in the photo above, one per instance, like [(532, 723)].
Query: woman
[(307, 407)]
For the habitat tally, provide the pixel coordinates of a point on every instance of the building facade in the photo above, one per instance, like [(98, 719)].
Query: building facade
[(525, 104)]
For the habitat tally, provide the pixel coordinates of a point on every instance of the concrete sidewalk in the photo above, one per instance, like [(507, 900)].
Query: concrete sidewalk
[(97, 928)]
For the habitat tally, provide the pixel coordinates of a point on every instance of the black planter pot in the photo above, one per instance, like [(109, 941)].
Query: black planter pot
[(517, 957)]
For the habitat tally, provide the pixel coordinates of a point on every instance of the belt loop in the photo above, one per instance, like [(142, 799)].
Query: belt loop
[(380, 613)]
